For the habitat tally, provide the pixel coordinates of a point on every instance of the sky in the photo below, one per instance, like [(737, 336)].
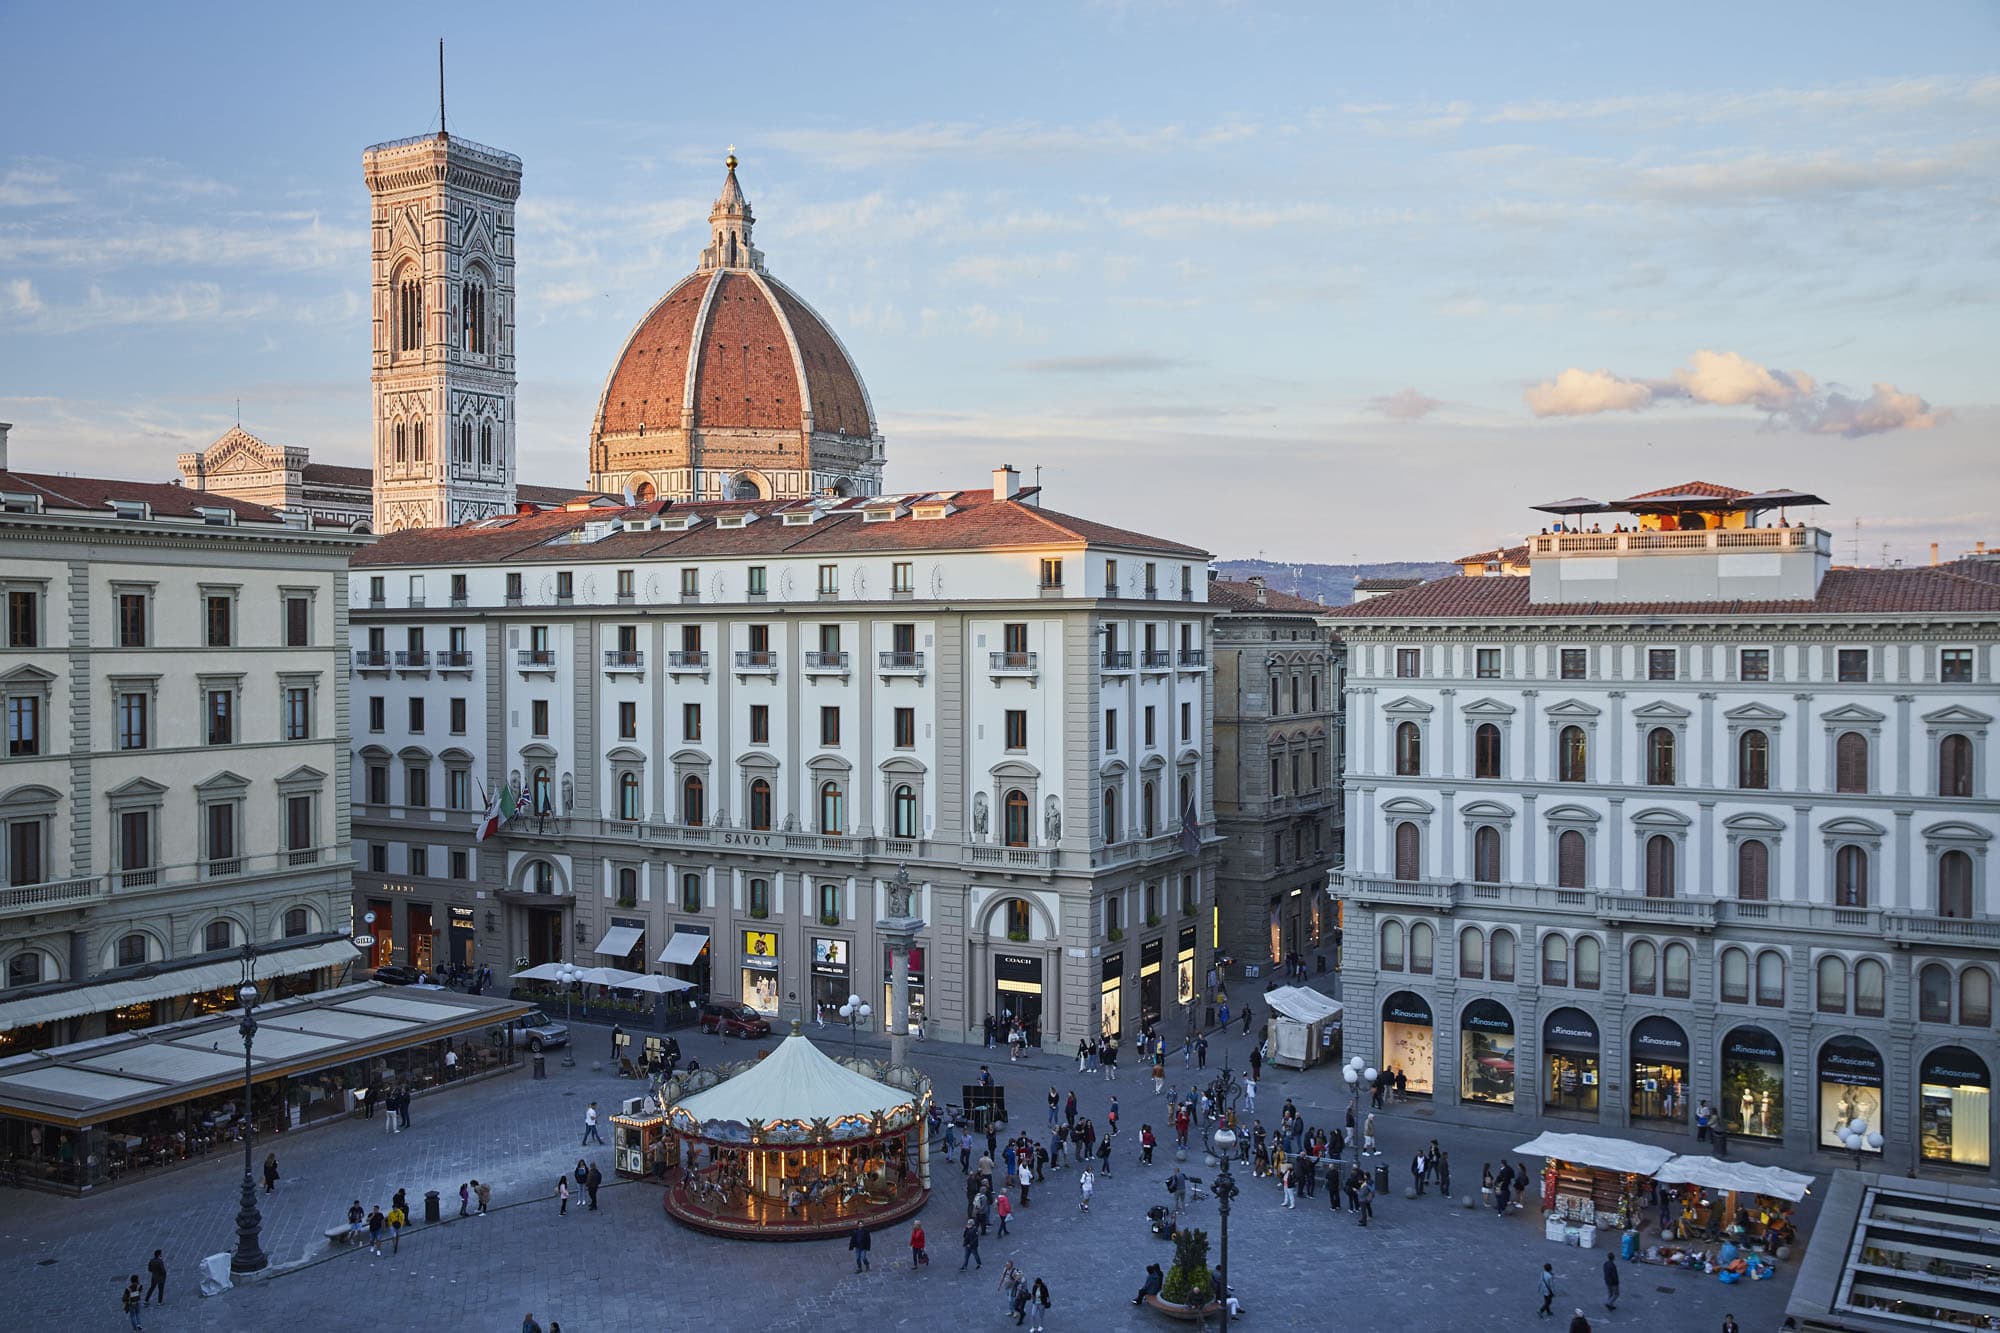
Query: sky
[(1318, 282)]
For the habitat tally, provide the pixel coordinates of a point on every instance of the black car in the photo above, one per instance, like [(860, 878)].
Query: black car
[(397, 975)]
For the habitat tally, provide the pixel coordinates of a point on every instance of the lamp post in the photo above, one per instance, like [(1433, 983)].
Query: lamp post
[(1222, 1143), (854, 1011), (567, 974), (249, 1256), (1857, 1138)]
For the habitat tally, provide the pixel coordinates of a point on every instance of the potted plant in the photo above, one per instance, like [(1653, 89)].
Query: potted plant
[(1152, 919), (1114, 934), (1018, 936), (829, 918), (1187, 1282)]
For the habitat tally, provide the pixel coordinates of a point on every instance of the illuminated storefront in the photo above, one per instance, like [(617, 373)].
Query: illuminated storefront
[(1659, 1070), (1569, 1061), (760, 971), (1753, 1083), (830, 977), (1150, 954), (916, 984), (1955, 1091), (1110, 1002), (1409, 1046), (1184, 970), (1486, 1054), (1850, 1088)]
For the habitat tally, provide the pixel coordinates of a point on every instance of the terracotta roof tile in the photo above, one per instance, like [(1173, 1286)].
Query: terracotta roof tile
[(1707, 488), (1232, 595), (1505, 555), (979, 522), (1918, 591), (95, 494)]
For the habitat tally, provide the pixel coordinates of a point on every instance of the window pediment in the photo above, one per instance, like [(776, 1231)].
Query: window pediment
[(626, 754), (1958, 715), (30, 795), (1017, 770), (762, 761), (822, 764), (1852, 826), (1488, 708), (1574, 709), (1661, 711), (1114, 768), (904, 764), (1661, 817), (687, 758), (1755, 712), (137, 788), (414, 754), (1752, 822), (1571, 814), (1487, 810), (27, 674), (1408, 805), (307, 773), (1152, 763), (1951, 830), (1852, 714), (538, 750), (222, 782), (1408, 706), (455, 755)]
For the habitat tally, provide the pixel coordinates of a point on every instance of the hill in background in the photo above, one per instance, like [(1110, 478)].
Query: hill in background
[(1331, 584)]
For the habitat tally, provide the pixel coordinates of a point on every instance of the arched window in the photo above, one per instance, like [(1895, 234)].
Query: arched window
[(1659, 866), (1850, 877), (541, 795), (465, 440), (1572, 756), (1186, 802), (1589, 962), (1975, 997), (542, 877), (628, 886), (475, 318), (1871, 982), (1660, 757), (1409, 851), (1677, 970), (1934, 994), (417, 441), (1753, 760), (24, 969), (1111, 814), (760, 898), (486, 444), (1753, 870), (131, 950), (402, 442), (1642, 968), (760, 805), (1555, 960), (217, 936), (1015, 823), (1486, 751), (1392, 946), (1850, 762), (1832, 985), (1572, 860), (1019, 924), (1148, 799), (410, 312), (694, 801), (1954, 884), (1486, 854), (1409, 750), (1735, 976), (905, 810), (829, 903), (628, 796), (832, 808), (1471, 953), (1423, 945), (1955, 766), (298, 921), (1771, 978), (691, 892), (1501, 945)]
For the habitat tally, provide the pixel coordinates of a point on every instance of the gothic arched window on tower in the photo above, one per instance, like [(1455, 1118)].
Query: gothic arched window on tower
[(417, 441), (465, 441), (402, 443), (410, 313), (486, 444), (475, 318)]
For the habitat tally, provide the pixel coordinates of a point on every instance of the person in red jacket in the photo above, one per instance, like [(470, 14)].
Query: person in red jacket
[(1146, 1144)]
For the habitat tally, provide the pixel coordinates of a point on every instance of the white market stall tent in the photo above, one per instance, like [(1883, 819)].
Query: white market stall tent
[(1621, 1155), (1304, 1027), (1735, 1177)]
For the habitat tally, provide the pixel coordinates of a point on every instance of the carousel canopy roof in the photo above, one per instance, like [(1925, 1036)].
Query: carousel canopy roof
[(796, 1082), (1744, 1177)]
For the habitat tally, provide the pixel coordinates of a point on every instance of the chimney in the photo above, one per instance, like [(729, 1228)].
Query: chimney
[(1263, 594), (5, 426), (1006, 482), (1934, 553)]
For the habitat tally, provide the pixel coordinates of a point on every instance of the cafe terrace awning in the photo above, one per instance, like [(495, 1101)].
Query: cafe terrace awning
[(656, 985), (1605, 1154), (540, 972), (683, 948), (1743, 1177), (92, 1082), (618, 941), (169, 982)]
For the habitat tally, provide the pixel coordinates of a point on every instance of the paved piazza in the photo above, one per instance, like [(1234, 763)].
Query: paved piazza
[(1422, 1265)]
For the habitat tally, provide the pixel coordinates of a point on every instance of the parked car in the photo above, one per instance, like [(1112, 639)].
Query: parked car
[(395, 974), (733, 1020), (537, 1029)]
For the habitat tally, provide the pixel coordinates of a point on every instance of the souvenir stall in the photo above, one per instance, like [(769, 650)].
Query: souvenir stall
[(797, 1145), (640, 1144), (1304, 1027), (1735, 1205), (1591, 1184)]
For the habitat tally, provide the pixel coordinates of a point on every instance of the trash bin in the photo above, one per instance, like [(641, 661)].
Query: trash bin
[(431, 1213), (541, 1066), (1381, 1178)]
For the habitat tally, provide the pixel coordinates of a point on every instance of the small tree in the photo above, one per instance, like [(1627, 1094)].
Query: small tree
[(1187, 1281)]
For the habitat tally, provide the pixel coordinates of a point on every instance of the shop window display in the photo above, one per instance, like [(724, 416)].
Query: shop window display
[(1753, 1084), (1659, 1050), (1955, 1093), (1569, 1061), (1408, 1043), (1850, 1088), (760, 971), (1486, 1054)]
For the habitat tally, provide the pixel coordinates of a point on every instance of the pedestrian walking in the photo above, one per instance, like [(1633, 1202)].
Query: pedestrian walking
[(270, 1172), (1250, 1093), (1729, 1324), (1546, 1284), (1038, 1304), (1702, 1115), (1353, 1189), (1290, 1180), (1087, 1183), (592, 1179), (156, 1269), (482, 1192), (528, 1324), (1417, 1167), (1003, 1210), (1055, 1106), (1610, 1280), (132, 1300), (1367, 1194), (590, 1125), (1201, 1052), (860, 1242), (919, 1256), (397, 1217), (1249, 1015), (375, 1224), (1368, 1137), (969, 1240), (562, 1195), (1146, 1144)]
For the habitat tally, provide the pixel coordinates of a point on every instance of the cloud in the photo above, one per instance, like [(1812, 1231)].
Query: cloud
[(867, 147), (1810, 175), (1405, 405), (1788, 398), (22, 308), (1104, 363), (1005, 270), (32, 187)]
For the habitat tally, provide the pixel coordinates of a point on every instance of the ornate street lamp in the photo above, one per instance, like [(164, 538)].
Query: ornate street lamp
[(1225, 1189), (1857, 1138), (854, 1011), (249, 1256), (567, 974)]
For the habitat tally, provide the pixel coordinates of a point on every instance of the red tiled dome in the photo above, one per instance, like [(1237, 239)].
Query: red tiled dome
[(733, 349)]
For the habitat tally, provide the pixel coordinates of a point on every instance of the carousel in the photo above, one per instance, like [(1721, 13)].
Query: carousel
[(797, 1145)]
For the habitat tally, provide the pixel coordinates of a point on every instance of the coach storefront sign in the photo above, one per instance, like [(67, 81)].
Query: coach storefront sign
[(1409, 1046)]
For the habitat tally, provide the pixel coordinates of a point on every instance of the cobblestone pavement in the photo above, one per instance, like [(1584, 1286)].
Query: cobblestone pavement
[(1424, 1265)]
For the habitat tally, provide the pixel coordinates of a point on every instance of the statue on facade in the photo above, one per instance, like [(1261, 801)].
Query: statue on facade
[(568, 795), (979, 814), (1052, 822), (901, 893)]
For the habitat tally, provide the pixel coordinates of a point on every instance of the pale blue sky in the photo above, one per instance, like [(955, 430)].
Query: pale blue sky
[(1285, 278)]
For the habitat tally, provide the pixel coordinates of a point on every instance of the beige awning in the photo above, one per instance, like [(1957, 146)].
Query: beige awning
[(618, 941), (107, 995), (683, 948)]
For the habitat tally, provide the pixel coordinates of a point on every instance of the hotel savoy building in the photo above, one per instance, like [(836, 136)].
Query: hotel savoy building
[(1684, 813)]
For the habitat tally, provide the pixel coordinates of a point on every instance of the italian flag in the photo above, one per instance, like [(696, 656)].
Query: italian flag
[(497, 813)]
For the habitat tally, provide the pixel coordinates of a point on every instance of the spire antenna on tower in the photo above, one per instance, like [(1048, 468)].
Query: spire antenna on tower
[(441, 129)]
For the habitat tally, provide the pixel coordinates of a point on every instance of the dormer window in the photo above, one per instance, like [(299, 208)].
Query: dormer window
[(20, 502), (217, 517), (137, 510)]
